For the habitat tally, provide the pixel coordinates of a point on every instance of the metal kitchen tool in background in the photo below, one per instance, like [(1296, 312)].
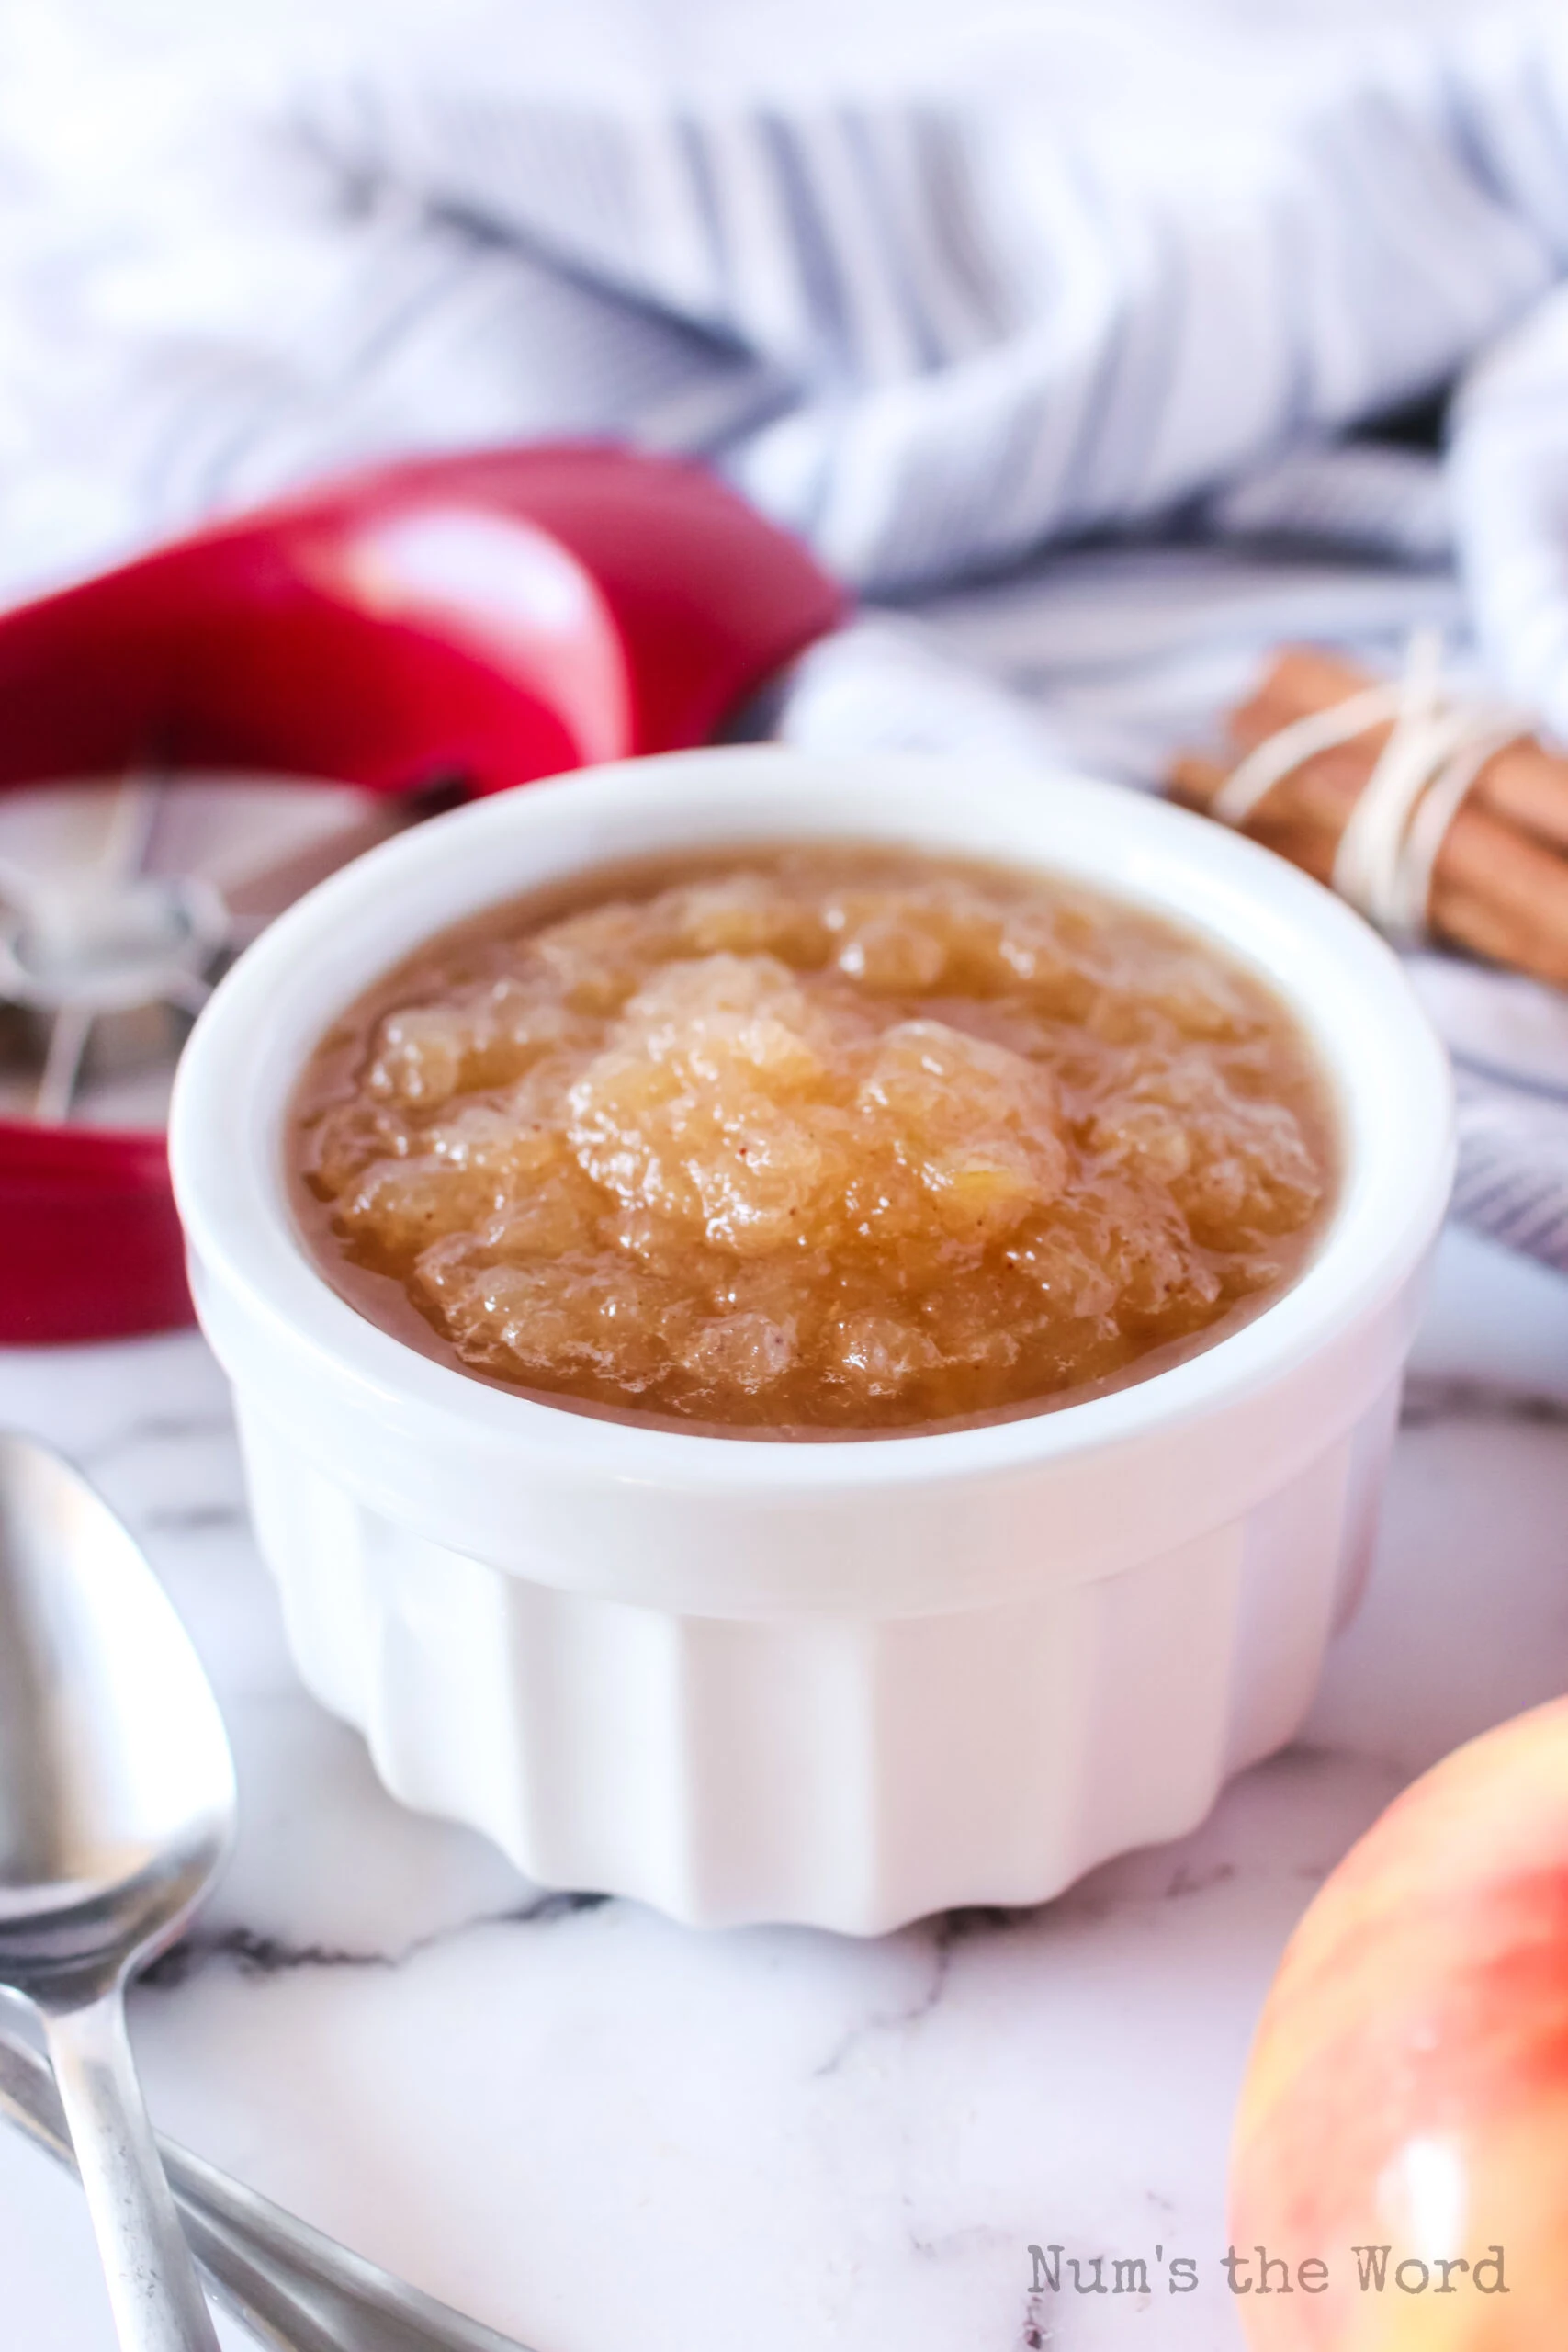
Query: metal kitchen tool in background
[(405, 637)]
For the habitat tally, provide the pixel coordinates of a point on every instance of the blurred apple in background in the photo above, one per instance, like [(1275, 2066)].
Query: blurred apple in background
[(1408, 2087)]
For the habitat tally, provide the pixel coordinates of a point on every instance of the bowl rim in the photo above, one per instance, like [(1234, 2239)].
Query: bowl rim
[(1383, 1058)]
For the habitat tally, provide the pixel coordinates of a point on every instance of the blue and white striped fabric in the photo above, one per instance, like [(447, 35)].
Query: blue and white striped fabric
[(1136, 284), (1512, 1182), (936, 333), (935, 337)]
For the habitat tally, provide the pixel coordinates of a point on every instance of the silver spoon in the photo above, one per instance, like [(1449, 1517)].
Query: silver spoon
[(116, 1807)]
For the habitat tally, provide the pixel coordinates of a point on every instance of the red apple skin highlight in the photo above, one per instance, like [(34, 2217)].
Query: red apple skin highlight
[(1409, 2082)]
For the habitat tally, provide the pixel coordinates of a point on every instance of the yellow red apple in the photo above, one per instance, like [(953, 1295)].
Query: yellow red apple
[(1408, 2086)]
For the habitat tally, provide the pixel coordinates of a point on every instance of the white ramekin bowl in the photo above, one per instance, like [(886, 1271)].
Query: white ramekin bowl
[(846, 1682)]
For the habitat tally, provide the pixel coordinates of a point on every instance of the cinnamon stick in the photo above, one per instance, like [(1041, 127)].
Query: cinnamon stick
[(1499, 885), (1523, 782)]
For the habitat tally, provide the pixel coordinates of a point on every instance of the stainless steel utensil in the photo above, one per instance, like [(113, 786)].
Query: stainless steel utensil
[(116, 1807), (295, 2288)]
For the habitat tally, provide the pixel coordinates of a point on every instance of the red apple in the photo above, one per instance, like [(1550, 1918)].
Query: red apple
[(1408, 2086)]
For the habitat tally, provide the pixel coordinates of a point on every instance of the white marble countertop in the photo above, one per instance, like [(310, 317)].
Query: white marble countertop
[(593, 2129)]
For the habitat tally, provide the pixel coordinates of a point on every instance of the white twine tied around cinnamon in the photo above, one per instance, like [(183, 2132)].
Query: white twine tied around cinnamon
[(1438, 745)]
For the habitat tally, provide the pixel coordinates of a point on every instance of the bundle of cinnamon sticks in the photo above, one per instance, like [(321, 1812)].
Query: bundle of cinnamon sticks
[(1500, 880)]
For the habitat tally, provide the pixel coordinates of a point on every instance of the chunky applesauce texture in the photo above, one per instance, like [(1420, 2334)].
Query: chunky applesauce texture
[(814, 1140)]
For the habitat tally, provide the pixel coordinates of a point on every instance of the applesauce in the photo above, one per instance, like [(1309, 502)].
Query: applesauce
[(813, 1140)]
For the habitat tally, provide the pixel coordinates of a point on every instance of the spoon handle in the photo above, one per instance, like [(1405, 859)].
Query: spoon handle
[(295, 2288), (157, 2304)]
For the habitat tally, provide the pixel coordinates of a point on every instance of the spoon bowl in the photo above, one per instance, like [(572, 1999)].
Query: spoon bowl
[(117, 1786), (117, 1809)]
